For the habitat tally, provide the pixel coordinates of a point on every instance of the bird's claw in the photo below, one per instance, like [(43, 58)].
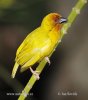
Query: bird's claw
[(35, 73), (47, 59)]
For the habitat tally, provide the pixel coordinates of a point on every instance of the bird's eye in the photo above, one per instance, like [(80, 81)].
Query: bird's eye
[(56, 19)]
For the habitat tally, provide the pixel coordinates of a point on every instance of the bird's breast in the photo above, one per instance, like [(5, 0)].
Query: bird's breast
[(55, 34)]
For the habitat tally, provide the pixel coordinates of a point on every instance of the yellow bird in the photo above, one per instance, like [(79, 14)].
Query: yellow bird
[(39, 43)]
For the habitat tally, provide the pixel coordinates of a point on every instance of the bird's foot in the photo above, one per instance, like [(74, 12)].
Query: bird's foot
[(47, 59), (35, 73)]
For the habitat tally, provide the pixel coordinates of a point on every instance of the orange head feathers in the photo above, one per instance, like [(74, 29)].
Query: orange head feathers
[(51, 20)]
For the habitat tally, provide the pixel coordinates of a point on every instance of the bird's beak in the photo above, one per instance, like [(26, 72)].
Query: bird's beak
[(62, 20)]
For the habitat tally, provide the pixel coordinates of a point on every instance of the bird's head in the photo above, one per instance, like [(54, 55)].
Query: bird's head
[(51, 20)]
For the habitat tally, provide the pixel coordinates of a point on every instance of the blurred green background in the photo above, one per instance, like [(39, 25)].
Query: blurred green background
[(68, 71)]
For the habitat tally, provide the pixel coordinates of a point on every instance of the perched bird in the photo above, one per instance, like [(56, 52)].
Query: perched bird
[(39, 43)]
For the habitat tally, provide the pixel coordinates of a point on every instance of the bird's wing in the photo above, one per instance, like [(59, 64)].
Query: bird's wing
[(25, 45), (33, 47), (35, 55), (31, 61)]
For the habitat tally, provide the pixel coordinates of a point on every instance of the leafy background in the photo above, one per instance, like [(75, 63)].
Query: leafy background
[(69, 64)]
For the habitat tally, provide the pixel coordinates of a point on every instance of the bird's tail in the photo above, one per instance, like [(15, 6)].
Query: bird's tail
[(14, 69)]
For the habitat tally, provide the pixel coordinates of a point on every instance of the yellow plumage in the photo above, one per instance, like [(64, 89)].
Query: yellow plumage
[(39, 43)]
